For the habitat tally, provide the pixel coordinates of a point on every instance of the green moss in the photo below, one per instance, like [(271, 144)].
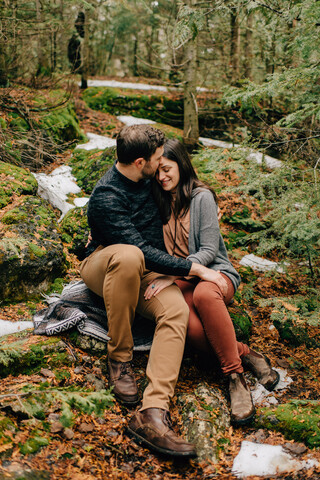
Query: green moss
[(89, 166), (36, 250), (298, 420), (13, 216), (33, 444), (241, 321), (62, 125), (295, 317), (157, 107), (15, 180), (75, 230)]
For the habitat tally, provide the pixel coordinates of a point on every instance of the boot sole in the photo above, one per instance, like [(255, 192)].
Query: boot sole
[(127, 403), (244, 421), (165, 451)]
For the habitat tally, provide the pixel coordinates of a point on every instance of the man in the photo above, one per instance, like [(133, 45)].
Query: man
[(126, 253)]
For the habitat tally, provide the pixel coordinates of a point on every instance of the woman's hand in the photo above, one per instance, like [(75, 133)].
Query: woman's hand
[(89, 239), (158, 284), (209, 275)]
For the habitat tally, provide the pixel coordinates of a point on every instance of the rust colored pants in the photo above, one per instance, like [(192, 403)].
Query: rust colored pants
[(210, 328), (117, 273)]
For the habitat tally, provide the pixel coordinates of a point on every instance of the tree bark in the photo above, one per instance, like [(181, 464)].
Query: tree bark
[(248, 48), (85, 52), (234, 47), (191, 122)]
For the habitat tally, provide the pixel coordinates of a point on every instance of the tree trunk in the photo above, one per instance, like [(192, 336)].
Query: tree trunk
[(43, 64), (135, 51), (191, 122), (85, 52), (234, 47), (248, 48)]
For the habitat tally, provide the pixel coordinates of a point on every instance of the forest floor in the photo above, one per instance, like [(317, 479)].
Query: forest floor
[(99, 447)]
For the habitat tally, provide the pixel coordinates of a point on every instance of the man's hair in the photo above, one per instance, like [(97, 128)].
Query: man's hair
[(138, 141)]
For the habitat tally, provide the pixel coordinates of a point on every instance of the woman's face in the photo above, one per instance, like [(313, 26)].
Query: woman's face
[(168, 175)]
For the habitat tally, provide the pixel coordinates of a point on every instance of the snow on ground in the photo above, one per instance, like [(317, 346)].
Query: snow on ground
[(130, 120), (210, 142), (262, 396), (56, 186), (136, 86), (261, 459), (97, 141), (260, 264), (7, 327)]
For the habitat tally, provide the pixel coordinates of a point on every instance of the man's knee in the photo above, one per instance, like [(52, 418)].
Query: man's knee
[(128, 257)]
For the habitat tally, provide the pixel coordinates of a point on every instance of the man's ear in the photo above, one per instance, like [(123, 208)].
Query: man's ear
[(140, 163)]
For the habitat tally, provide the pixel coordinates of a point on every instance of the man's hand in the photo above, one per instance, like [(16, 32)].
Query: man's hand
[(89, 239), (158, 284), (209, 275)]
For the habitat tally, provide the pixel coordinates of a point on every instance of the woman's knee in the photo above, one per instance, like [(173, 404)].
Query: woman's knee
[(206, 292)]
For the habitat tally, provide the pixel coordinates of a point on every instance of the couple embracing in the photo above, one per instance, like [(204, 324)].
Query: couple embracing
[(156, 249)]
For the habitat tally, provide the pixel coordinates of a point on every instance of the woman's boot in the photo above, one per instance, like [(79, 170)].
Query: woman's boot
[(260, 366), (242, 408)]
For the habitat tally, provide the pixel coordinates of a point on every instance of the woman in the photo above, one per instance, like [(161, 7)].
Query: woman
[(191, 230)]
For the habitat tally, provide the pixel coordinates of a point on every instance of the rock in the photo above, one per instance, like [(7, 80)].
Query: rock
[(296, 318), (88, 344), (260, 264), (31, 250), (297, 420), (15, 181), (89, 166), (56, 427), (68, 433), (24, 353), (17, 471), (241, 321), (97, 382), (86, 427), (75, 231), (205, 417), (47, 373), (296, 448)]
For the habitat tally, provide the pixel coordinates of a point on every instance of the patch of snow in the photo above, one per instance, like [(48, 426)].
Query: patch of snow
[(129, 120), (262, 459), (117, 84), (260, 158), (210, 142), (260, 264), (97, 141), (7, 327), (261, 396), (81, 201), (56, 186)]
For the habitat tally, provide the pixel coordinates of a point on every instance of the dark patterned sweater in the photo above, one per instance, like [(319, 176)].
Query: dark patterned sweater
[(123, 211)]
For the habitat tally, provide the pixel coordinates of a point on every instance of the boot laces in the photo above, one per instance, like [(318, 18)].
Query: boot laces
[(126, 369), (167, 420)]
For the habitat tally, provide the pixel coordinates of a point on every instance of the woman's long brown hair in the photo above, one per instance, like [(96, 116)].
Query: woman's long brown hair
[(174, 150)]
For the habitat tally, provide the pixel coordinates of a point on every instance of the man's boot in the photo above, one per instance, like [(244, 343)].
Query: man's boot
[(121, 377), (153, 428), (242, 408), (260, 366)]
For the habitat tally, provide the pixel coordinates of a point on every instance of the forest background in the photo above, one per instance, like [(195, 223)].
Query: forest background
[(243, 72)]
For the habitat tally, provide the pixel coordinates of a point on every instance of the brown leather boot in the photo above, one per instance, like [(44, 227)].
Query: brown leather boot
[(260, 366), (242, 408), (153, 428), (121, 377)]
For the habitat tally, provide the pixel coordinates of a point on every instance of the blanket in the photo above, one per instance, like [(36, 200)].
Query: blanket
[(78, 307)]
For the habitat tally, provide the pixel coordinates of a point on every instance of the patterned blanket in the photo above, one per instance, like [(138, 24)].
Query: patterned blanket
[(78, 307)]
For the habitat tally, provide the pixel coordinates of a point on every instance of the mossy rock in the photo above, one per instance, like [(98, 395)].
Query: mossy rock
[(62, 125), (241, 321), (169, 131), (158, 107), (296, 318), (89, 166), (31, 249), (7, 430), (24, 354), (297, 420), (15, 181), (75, 230)]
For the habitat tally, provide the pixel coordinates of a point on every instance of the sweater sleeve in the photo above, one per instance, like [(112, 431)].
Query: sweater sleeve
[(110, 223), (205, 224)]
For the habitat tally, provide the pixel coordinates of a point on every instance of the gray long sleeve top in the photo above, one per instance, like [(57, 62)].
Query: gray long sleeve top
[(206, 245), (123, 211)]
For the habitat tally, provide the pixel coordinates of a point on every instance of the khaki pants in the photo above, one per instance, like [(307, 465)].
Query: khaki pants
[(117, 273)]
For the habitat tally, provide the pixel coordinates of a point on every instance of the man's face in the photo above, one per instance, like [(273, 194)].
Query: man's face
[(150, 167)]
